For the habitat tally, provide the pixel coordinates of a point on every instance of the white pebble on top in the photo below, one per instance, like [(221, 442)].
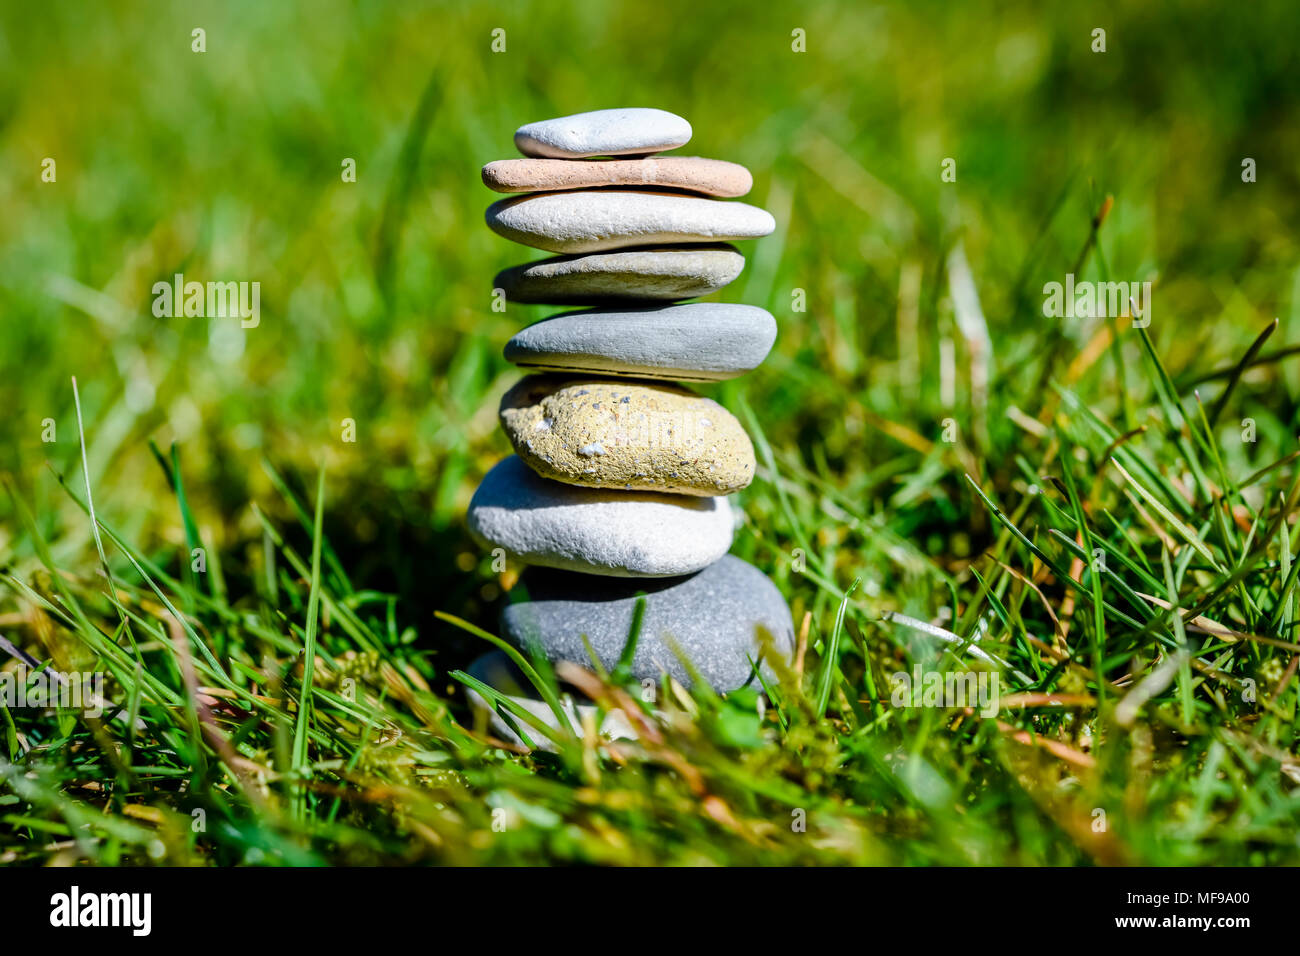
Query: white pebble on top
[(621, 132)]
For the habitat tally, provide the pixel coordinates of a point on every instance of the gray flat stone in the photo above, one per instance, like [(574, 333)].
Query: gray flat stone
[(594, 219), (617, 132), (700, 341), (663, 273), (715, 616), (597, 531)]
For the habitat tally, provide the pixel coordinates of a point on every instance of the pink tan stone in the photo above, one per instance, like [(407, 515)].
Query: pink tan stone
[(713, 177)]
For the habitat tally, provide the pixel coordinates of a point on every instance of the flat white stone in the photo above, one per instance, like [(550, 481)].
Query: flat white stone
[(617, 533), (618, 132), (591, 220), (700, 341)]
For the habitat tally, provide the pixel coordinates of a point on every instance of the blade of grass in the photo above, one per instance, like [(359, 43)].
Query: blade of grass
[(623, 669), (1239, 369), (1184, 532), (830, 660), (545, 690), (300, 734)]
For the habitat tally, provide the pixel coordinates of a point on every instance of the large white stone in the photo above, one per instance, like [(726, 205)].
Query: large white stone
[(619, 132), (617, 533), (591, 220)]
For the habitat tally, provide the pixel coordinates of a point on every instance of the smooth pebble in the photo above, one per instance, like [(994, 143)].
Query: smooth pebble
[(713, 177), (616, 533), (700, 341), (596, 219), (719, 618), (630, 130), (663, 273)]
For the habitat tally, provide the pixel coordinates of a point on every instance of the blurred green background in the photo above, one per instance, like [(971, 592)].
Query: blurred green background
[(225, 165), (375, 295)]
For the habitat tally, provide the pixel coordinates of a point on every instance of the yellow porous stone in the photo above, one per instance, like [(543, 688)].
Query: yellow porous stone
[(632, 435)]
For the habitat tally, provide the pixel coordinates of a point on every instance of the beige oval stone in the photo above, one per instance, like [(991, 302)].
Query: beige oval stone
[(636, 436), (713, 177)]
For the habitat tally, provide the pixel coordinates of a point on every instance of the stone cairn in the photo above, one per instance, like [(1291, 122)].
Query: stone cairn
[(620, 477)]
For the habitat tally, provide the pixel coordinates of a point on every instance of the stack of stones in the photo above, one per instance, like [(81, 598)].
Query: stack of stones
[(620, 479)]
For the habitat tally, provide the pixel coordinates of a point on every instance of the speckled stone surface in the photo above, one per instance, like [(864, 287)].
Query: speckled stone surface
[(665, 273), (592, 220), (699, 341), (616, 533), (717, 618), (629, 130), (638, 436), (713, 177)]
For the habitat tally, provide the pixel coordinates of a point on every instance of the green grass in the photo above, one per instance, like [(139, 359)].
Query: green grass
[(1104, 514)]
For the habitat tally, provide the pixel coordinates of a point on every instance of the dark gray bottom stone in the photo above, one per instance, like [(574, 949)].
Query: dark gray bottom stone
[(718, 618)]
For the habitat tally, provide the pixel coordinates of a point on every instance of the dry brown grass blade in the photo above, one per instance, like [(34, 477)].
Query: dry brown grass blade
[(1054, 747)]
